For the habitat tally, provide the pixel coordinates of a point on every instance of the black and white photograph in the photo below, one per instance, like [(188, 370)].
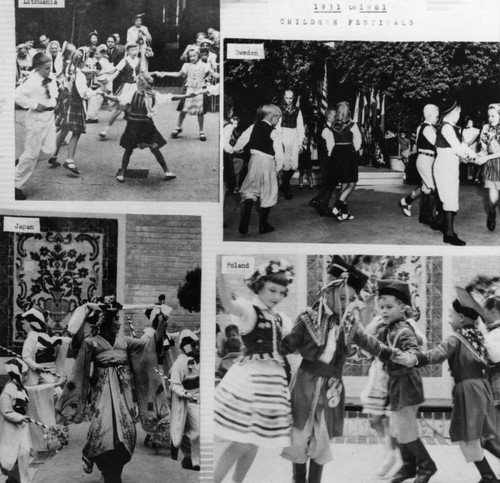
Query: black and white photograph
[(361, 142), (118, 101), (335, 368), (100, 348)]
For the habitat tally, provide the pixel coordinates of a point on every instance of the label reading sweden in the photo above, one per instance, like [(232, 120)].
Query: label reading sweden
[(245, 51)]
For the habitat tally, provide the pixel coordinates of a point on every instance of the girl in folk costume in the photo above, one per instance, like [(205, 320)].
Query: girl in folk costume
[(141, 131), (70, 111), (292, 130), (45, 356), (345, 164), (195, 73), (473, 419), (426, 153), (120, 363), (449, 149), (129, 69), (405, 387), (15, 442), (266, 160), (185, 386), (56, 57), (490, 139), (244, 418), (328, 175), (323, 334)]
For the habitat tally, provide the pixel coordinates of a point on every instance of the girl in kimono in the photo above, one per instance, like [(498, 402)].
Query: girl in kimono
[(473, 419), (120, 363), (244, 419), (323, 334), (45, 356), (185, 386), (15, 442)]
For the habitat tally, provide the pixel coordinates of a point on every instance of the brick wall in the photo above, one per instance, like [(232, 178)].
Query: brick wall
[(159, 252)]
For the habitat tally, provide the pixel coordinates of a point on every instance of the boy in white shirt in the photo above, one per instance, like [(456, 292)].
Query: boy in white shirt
[(38, 95)]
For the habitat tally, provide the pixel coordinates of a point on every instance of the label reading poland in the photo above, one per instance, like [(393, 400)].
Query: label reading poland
[(240, 265), (245, 51), (21, 225)]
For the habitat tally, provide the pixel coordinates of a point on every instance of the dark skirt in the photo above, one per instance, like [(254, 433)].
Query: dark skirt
[(345, 163), (141, 134), (70, 113), (305, 163), (473, 414)]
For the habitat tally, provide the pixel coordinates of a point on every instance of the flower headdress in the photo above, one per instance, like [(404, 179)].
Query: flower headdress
[(268, 270)]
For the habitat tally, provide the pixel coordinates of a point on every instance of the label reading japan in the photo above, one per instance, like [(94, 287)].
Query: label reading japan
[(245, 51), (241, 265), (21, 225)]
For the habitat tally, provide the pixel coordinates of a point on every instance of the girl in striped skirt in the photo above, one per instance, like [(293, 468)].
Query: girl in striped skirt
[(252, 402), (490, 139)]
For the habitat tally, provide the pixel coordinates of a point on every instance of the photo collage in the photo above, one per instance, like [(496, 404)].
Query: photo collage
[(250, 241)]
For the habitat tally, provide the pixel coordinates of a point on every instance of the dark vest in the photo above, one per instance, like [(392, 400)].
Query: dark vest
[(441, 142), (422, 141), (260, 138), (260, 339), (342, 133), (289, 117), (128, 73)]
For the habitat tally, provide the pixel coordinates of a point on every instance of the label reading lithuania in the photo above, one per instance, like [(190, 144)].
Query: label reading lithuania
[(245, 51), (41, 3)]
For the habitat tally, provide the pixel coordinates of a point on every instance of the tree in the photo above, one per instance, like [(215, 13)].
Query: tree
[(412, 74)]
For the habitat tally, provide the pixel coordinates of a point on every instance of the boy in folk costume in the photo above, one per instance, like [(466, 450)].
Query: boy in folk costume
[(491, 317), (39, 95), (292, 130), (15, 442), (406, 391), (323, 334), (266, 161), (426, 153), (185, 385), (450, 148), (473, 418)]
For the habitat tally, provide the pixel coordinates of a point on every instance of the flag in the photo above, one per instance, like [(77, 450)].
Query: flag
[(382, 114), (324, 93), (373, 107), (356, 109)]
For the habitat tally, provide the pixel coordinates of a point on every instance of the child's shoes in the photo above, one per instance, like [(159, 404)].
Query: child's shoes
[(70, 165), (169, 175)]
